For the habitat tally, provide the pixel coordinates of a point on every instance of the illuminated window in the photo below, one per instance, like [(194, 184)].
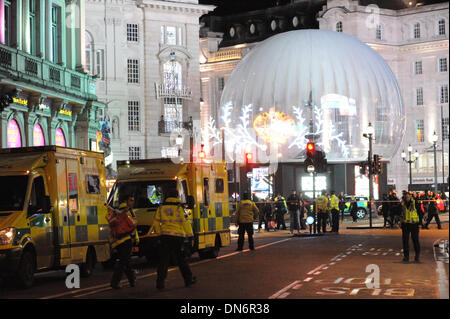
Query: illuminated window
[(172, 75), (420, 131), (339, 26), (171, 34)]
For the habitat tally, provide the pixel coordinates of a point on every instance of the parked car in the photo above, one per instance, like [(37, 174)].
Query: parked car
[(362, 203)]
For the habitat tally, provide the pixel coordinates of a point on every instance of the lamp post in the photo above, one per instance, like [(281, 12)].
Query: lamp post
[(370, 131), (411, 159), (434, 139)]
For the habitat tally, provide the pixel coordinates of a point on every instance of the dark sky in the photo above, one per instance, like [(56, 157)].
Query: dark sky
[(227, 7)]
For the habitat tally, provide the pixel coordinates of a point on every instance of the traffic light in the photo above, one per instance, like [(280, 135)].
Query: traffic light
[(320, 161), (377, 165), (248, 158), (201, 154), (310, 149), (315, 158)]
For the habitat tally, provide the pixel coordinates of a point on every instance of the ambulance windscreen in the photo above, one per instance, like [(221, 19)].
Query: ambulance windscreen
[(148, 194), (13, 190)]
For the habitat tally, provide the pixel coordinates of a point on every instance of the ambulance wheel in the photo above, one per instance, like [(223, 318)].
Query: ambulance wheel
[(88, 267), (210, 253), (26, 269)]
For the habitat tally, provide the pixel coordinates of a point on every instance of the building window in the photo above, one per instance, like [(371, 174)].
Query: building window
[(133, 116), (99, 63), (419, 96), (172, 75), (171, 34), (418, 67), (417, 31), (163, 35), (180, 37), (134, 152), (443, 65), (220, 84), (445, 129), (339, 26), (8, 24), (32, 28), (173, 112), (420, 129), (89, 53), (444, 93), (132, 32), (379, 32), (169, 152), (56, 34), (441, 27), (133, 70)]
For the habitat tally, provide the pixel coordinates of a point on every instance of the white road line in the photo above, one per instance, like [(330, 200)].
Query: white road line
[(282, 291), (442, 276), (308, 279), (315, 269)]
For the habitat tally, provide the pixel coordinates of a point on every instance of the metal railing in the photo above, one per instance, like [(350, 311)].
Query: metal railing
[(163, 92), (165, 127), (23, 66)]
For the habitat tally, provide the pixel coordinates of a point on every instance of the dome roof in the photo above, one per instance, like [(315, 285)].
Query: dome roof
[(348, 82)]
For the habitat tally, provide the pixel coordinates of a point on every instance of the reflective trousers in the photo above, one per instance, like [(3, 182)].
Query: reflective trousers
[(172, 245)]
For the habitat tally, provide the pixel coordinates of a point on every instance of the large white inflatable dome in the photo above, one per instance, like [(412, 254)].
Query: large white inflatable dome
[(324, 82)]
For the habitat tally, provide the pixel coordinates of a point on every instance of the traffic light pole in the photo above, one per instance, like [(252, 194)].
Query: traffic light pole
[(370, 181)]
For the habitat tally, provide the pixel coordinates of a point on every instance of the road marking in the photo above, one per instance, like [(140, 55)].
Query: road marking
[(283, 291), (315, 269), (442, 275), (308, 279)]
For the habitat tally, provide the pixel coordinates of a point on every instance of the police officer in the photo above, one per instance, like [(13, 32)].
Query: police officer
[(246, 214), (334, 207), (410, 225), (293, 202), (280, 204), (433, 212), (322, 212), (173, 226), (122, 247)]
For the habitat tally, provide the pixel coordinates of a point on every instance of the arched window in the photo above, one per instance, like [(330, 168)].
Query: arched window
[(172, 75), (14, 136), (339, 26), (417, 31), (38, 135), (379, 32), (89, 52), (441, 27)]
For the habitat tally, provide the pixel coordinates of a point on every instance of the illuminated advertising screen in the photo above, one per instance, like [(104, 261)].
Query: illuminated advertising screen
[(362, 184), (13, 135), (60, 139), (260, 182), (38, 136)]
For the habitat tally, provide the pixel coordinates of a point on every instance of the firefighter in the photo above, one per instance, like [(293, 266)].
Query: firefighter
[(122, 248), (172, 226), (246, 214), (410, 225), (334, 207), (322, 209)]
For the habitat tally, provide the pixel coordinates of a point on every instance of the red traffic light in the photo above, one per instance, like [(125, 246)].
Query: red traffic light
[(201, 154), (248, 156), (310, 147)]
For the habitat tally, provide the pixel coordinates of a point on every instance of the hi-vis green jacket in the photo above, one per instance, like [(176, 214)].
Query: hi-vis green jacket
[(171, 220)]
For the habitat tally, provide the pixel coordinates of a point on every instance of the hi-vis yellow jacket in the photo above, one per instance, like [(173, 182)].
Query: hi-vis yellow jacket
[(246, 212), (171, 220), (334, 202), (410, 213), (322, 203), (134, 235)]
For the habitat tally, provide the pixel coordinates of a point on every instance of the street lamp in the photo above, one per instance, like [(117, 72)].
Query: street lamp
[(434, 139), (411, 159), (370, 131)]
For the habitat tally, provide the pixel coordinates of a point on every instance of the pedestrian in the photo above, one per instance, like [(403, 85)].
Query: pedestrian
[(419, 209), (123, 246), (262, 217), (385, 210), (395, 208), (265, 213), (410, 226), (322, 212), (172, 226), (433, 212), (281, 210), (302, 211), (353, 210), (334, 207), (342, 205), (445, 201), (246, 214), (293, 202)]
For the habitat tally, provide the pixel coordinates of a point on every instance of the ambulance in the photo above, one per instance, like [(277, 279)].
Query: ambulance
[(52, 211), (203, 188)]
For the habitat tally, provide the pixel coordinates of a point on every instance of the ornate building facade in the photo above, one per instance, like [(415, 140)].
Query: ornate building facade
[(47, 97)]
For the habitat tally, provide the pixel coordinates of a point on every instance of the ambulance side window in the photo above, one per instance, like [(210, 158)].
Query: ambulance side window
[(183, 191), (92, 184), (219, 185), (206, 191), (36, 197)]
